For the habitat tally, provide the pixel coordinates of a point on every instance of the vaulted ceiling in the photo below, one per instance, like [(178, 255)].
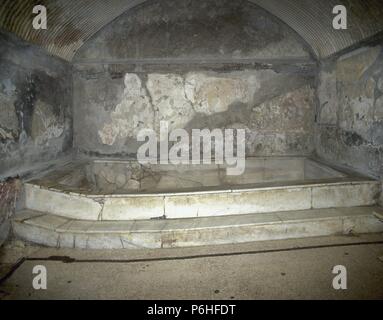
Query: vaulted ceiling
[(73, 22)]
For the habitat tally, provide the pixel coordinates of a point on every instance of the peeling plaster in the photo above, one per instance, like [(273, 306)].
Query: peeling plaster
[(173, 98)]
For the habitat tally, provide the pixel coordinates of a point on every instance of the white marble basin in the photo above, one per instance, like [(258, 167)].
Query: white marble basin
[(126, 190)]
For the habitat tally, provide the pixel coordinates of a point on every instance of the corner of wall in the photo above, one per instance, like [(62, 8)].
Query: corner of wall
[(349, 116)]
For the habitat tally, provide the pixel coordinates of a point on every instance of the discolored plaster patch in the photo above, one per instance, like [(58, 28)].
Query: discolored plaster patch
[(169, 101), (9, 128), (379, 108), (328, 98), (353, 66), (175, 98), (210, 94), (380, 84), (45, 124), (132, 114), (291, 111)]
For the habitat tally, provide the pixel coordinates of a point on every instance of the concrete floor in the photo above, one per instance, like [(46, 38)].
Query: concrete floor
[(289, 269)]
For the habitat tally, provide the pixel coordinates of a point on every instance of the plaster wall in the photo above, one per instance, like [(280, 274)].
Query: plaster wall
[(35, 106), (195, 64), (349, 128)]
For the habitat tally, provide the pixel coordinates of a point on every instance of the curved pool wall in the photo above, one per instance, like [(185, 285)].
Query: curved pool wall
[(126, 190)]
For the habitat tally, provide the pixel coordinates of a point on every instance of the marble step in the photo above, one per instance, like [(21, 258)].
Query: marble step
[(206, 203), (56, 231)]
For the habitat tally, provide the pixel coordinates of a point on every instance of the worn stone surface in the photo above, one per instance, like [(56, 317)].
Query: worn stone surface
[(61, 203), (345, 196), (349, 127), (35, 106), (185, 29), (280, 270), (60, 232)]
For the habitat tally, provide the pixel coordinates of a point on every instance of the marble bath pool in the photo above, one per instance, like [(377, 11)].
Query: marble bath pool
[(120, 177), (126, 190)]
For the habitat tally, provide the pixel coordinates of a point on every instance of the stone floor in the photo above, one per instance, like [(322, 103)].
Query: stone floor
[(288, 269)]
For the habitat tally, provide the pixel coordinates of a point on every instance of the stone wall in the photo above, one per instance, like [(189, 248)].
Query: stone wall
[(381, 196), (349, 128), (196, 64), (35, 106), (9, 191), (275, 109)]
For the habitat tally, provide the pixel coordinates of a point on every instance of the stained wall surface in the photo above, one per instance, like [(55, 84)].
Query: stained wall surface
[(349, 128), (36, 106), (195, 65)]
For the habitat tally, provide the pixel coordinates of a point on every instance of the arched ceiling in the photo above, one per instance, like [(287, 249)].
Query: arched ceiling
[(73, 22)]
